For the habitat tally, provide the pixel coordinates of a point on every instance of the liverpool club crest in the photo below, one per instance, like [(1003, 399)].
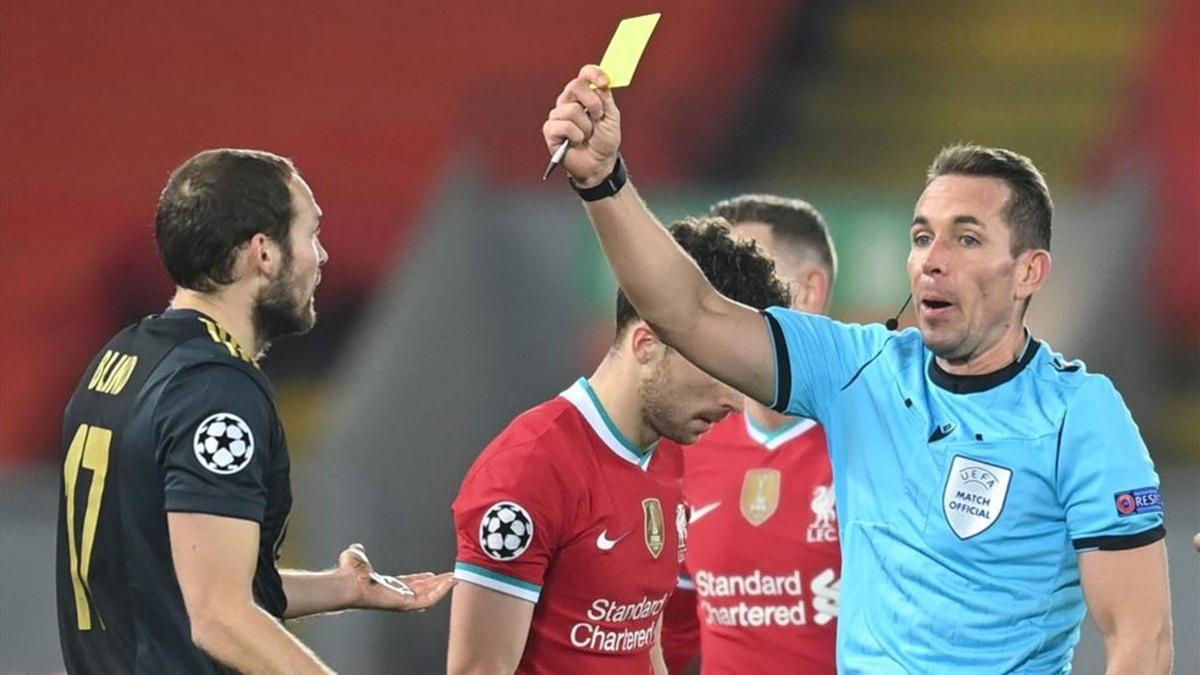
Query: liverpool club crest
[(824, 524), (681, 523)]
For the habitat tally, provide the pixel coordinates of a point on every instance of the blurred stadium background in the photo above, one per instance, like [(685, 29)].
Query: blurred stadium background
[(462, 290)]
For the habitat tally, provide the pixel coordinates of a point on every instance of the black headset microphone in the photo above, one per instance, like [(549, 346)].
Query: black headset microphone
[(894, 322)]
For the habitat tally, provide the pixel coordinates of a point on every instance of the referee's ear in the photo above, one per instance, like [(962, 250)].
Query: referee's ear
[(1033, 268)]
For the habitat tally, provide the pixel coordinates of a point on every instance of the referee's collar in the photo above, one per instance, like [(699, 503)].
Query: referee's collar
[(973, 384)]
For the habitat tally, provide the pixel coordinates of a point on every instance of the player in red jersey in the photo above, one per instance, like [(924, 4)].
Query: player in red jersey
[(571, 523), (761, 587)]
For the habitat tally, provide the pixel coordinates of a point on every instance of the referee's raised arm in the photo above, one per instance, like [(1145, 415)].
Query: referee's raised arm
[(727, 339)]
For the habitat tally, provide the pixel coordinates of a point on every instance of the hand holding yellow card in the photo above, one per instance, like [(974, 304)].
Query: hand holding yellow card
[(620, 60), (625, 50)]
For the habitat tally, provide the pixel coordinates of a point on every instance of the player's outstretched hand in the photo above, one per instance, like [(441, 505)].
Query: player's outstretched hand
[(587, 115), (405, 593)]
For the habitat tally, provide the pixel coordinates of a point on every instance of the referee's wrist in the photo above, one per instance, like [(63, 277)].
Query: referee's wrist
[(607, 187)]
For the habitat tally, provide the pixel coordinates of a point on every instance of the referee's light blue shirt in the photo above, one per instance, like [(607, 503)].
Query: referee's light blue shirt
[(964, 502)]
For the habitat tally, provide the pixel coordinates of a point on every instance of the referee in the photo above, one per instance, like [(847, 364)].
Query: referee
[(176, 492), (985, 484)]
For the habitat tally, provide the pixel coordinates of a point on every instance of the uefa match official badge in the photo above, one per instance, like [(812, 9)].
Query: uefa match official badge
[(655, 531), (974, 496), (760, 495)]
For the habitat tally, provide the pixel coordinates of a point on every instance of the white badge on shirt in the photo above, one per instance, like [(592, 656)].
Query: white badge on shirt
[(974, 495), (223, 443), (505, 531)]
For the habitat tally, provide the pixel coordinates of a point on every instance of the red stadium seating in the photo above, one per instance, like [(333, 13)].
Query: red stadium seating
[(371, 98)]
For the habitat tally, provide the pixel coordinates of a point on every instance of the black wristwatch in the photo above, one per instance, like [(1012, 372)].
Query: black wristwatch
[(605, 188)]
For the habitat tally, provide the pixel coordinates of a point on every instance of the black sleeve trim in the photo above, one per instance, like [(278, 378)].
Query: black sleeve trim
[(783, 368), (222, 504), (1121, 542)]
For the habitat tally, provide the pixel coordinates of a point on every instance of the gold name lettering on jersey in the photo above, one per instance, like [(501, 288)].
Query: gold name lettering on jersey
[(113, 373)]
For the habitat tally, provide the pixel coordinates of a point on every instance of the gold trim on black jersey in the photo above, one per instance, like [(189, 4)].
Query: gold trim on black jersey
[(226, 339)]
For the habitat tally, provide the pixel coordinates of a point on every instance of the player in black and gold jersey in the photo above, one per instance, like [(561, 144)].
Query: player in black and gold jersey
[(176, 488)]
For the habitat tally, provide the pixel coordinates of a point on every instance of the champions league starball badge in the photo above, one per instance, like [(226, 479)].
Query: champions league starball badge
[(505, 531), (223, 443)]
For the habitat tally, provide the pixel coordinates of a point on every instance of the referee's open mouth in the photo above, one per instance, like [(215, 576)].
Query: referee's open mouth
[(934, 306)]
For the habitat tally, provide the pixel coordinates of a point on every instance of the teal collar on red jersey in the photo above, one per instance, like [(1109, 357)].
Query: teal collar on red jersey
[(773, 439), (584, 398)]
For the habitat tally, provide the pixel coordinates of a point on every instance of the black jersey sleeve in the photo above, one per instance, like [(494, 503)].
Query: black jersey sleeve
[(216, 429)]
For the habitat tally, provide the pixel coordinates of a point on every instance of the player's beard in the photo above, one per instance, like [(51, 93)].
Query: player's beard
[(659, 405), (278, 311)]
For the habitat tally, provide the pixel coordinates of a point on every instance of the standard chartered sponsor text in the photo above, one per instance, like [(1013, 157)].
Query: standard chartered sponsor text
[(756, 583), (719, 593), (590, 636), (754, 616)]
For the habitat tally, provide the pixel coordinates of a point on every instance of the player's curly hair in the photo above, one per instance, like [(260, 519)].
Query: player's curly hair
[(738, 269), (213, 204)]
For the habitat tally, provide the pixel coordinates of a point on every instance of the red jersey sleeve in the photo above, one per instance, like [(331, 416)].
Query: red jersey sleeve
[(510, 518)]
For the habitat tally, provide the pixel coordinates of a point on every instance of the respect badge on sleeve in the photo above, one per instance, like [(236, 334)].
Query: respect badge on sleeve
[(1134, 502)]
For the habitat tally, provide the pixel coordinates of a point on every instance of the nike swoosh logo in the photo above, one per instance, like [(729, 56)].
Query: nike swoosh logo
[(605, 544), (699, 513)]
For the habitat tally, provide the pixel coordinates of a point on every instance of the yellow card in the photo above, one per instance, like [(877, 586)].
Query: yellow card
[(623, 53)]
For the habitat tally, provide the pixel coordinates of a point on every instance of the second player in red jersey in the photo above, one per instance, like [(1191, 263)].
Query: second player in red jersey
[(763, 557), (563, 511), (571, 524), (760, 591)]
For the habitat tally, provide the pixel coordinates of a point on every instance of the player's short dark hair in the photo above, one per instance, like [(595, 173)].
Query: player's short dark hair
[(1029, 209), (736, 268), (794, 222), (213, 204)]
